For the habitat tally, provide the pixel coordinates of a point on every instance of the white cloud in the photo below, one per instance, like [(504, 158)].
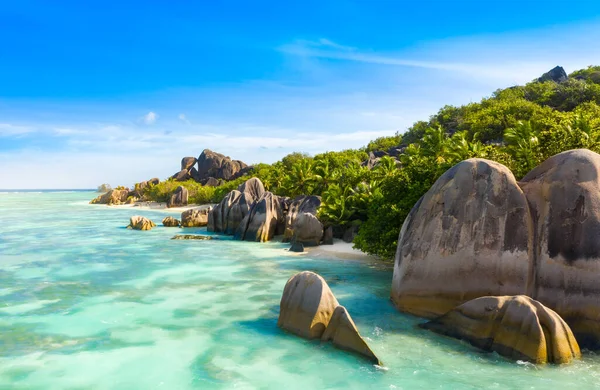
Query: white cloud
[(150, 118), (7, 129), (184, 119)]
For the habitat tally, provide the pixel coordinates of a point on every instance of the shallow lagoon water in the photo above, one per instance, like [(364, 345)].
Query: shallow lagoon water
[(88, 304)]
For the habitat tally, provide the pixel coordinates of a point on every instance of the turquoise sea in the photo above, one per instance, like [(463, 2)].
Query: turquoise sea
[(88, 304)]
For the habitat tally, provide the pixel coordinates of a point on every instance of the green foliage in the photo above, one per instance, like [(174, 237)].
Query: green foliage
[(197, 193), (384, 143), (519, 127), (104, 188)]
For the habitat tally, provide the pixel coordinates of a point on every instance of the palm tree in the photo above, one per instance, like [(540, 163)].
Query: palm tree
[(523, 144)]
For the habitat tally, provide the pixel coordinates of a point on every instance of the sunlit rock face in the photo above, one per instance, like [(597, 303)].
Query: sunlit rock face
[(467, 237), (564, 198), (309, 309), (477, 232), (517, 327), (138, 222)]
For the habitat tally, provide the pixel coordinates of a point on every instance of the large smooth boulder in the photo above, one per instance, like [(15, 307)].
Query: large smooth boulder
[(188, 162), (261, 222), (306, 306), (195, 217), (467, 237), (171, 222), (517, 327), (300, 204), (564, 198), (112, 197), (308, 230), (309, 309), (178, 198), (138, 222)]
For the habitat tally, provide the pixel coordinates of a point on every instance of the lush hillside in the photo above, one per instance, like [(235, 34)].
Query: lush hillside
[(375, 187)]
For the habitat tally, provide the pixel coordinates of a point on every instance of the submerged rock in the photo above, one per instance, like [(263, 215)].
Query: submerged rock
[(517, 327), (112, 197), (191, 237), (309, 309), (195, 217), (171, 222), (138, 222), (297, 247)]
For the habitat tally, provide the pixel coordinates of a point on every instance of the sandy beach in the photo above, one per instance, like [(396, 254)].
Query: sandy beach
[(162, 206)]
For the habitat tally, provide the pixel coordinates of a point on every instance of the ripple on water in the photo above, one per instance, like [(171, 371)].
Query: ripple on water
[(85, 303)]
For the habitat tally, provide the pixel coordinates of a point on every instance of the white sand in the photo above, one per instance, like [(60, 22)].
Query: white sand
[(340, 249), (156, 206)]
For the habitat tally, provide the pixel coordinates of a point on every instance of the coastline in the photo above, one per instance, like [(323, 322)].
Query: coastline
[(341, 250), (161, 206)]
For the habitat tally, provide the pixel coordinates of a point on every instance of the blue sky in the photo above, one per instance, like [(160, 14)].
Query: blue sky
[(118, 92)]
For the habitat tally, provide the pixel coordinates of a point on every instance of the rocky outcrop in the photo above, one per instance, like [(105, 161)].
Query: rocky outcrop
[(183, 175), (556, 74), (187, 163), (112, 197), (564, 199), (300, 204), (260, 224), (138, 222), (197, 217), (309, 309), (211, 182), (253, 187), (467, 237), (308, 230), (477, 232), (229, 213), (517, 327), (171, 222), (179, 197), (141, 187), (218, 166), (297, 247)]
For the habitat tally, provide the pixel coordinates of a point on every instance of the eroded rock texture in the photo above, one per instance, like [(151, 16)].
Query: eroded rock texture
[(467, 237), (309, 309), (517, 327)]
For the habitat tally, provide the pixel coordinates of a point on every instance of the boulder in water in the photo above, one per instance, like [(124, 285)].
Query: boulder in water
[(517, 327), (195, 217), (309, 309), (138, 222), (171, 222)]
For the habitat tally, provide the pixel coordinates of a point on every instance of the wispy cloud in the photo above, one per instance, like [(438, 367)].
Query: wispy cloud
[(150, 118), (184, 119), (10, 130)]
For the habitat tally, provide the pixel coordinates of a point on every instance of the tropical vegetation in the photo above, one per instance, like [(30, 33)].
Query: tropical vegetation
[(519, 127)]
